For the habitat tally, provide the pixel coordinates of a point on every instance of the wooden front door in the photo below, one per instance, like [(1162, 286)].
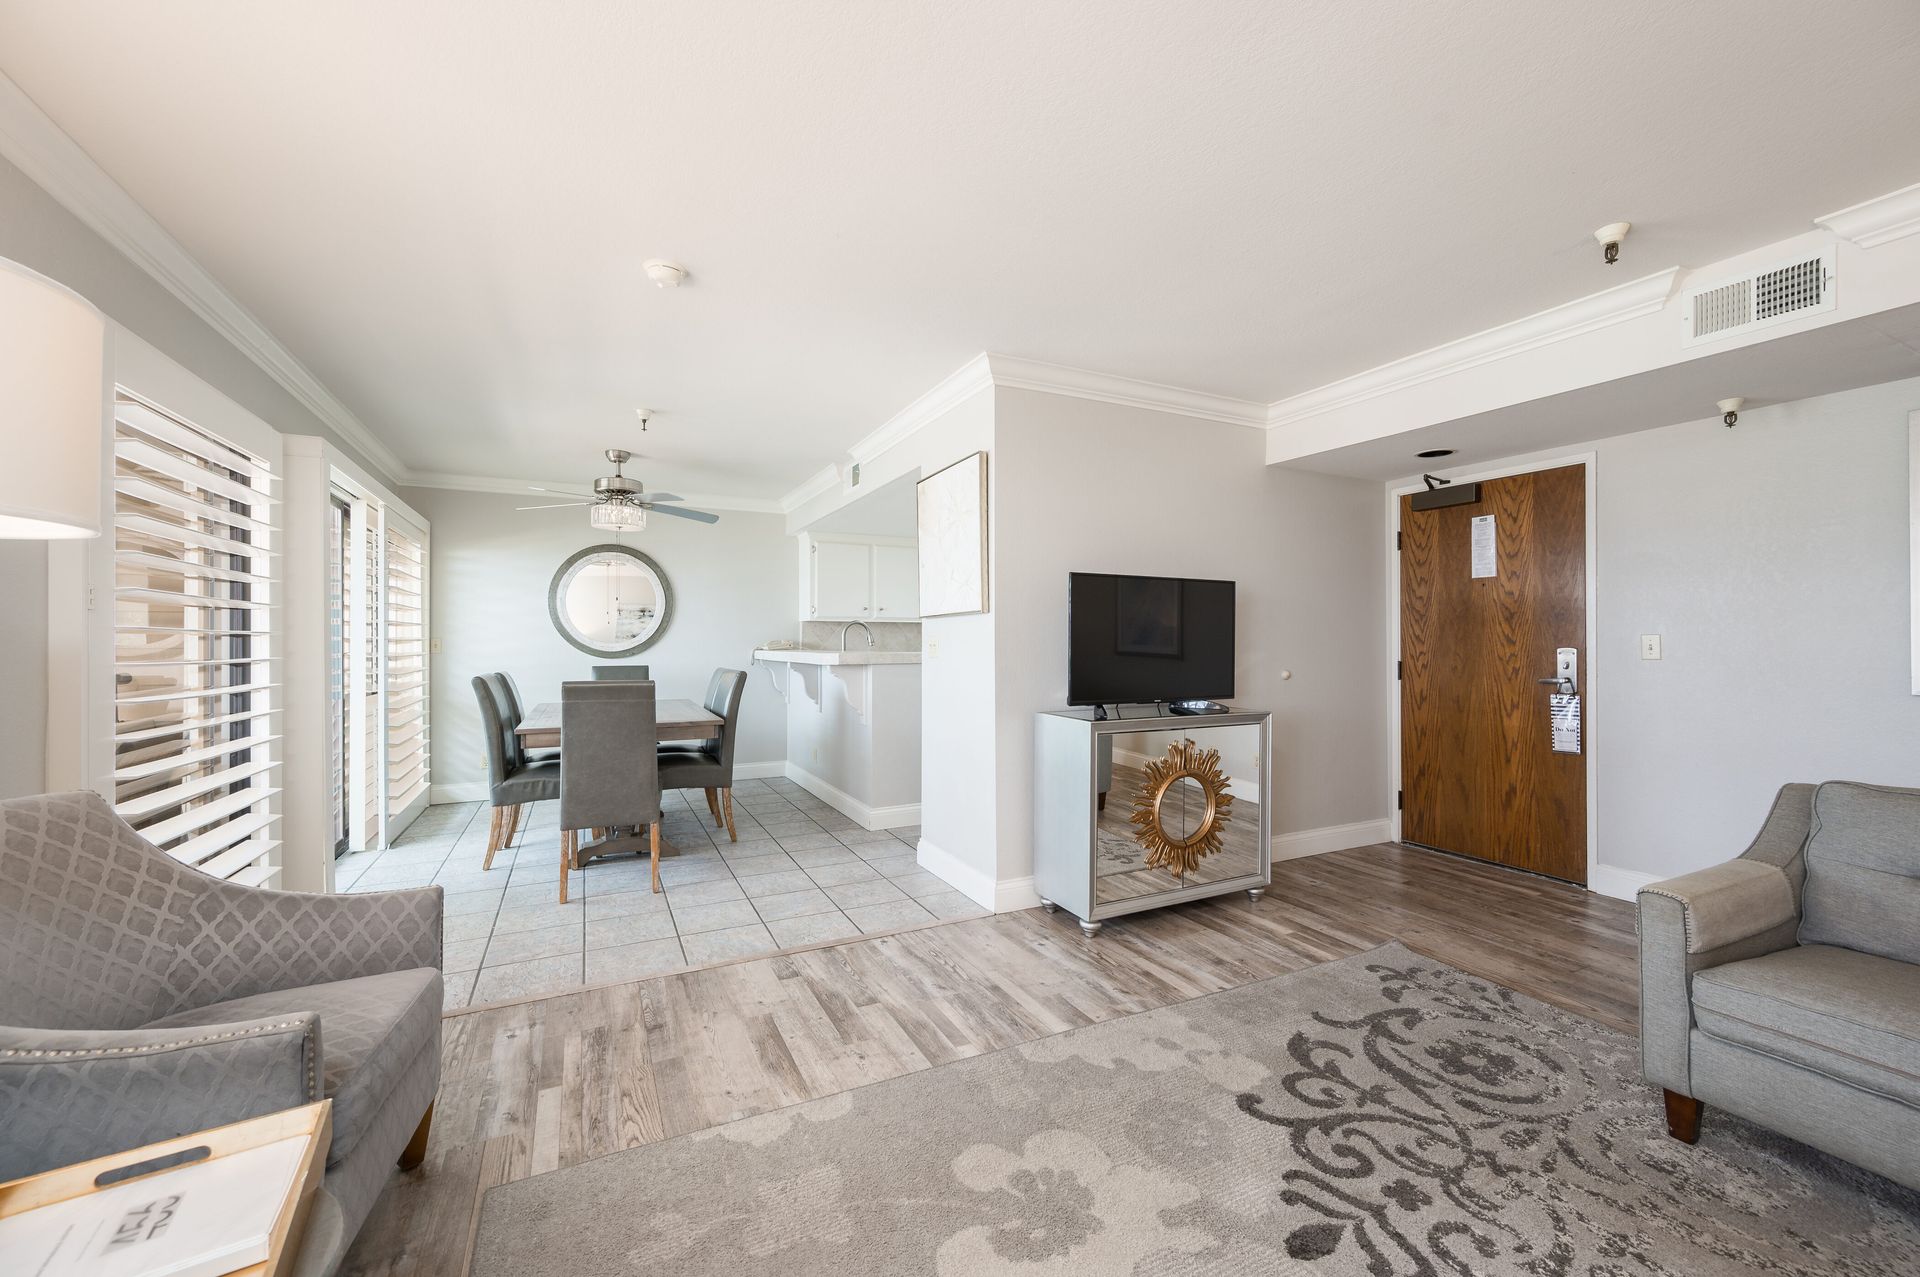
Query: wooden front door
[(1479, 773)]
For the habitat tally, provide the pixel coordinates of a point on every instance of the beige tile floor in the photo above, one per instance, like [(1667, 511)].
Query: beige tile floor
[(801, 873)]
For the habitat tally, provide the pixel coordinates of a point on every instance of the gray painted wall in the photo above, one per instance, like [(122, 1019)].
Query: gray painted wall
[(23, 668), (1097, 487), (732, 590), (37, 231), (1773, 560)]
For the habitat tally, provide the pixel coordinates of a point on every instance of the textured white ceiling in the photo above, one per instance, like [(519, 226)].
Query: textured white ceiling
[(442, 207)]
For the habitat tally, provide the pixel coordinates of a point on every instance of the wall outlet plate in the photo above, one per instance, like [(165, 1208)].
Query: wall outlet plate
[(1649, 647)]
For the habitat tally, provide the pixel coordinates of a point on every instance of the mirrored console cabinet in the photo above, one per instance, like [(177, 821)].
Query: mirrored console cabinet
[(1149, 808)]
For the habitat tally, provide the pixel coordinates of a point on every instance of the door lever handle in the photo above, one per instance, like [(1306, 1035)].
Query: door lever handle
[(1564, 684)]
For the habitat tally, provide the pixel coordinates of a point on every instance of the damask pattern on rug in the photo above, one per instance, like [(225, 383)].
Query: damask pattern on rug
[(1378, 1116)]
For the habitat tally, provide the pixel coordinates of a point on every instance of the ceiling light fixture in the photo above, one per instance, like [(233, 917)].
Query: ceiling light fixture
[(1730, 411), (617, 517), (1610, 236), (664, 273)]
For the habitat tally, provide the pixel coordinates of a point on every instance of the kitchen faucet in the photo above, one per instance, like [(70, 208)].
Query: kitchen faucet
[(849, 625)]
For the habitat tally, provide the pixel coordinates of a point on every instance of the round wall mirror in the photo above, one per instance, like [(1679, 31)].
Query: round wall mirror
[(608, 600)]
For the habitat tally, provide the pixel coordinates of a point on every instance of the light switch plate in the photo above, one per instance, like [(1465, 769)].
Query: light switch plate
[(433, 646), (1649, 647)]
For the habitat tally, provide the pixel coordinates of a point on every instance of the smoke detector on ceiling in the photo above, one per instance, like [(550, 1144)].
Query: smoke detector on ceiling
[(664, 273)]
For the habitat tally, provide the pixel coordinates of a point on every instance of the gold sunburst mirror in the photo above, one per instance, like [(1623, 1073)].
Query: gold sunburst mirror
[(1181, 850)]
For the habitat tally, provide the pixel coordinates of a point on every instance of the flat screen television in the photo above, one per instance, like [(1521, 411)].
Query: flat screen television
[(1134, 639)]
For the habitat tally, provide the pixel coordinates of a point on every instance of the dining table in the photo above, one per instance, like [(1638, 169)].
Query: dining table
[(676, 719)]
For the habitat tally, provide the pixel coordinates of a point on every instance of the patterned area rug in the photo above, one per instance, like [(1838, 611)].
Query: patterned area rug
[(1379, 1115)]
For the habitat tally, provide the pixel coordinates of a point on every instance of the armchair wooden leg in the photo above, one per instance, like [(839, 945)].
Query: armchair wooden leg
[(567, 837), (713, 806), (416, 1149), (493, 839), (653, 847), (726, 797), (1683, 1117), (519, 815)]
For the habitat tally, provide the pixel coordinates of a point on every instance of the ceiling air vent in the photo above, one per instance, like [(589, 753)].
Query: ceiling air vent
[(1771, 296)]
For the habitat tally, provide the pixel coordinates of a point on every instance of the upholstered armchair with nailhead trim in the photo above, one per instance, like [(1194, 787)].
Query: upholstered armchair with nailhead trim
[(141, 999)]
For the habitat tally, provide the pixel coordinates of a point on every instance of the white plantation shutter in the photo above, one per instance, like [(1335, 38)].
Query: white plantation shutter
[(406, 671), (194, 764)]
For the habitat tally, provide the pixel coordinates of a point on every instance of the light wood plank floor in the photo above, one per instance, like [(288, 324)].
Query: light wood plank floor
[(544, 1084)]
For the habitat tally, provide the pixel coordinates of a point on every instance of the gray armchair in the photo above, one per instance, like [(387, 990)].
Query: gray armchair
[(145, 1000), (1784, 986)]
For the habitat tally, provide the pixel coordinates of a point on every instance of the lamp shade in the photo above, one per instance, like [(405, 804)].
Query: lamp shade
[(53, 358)]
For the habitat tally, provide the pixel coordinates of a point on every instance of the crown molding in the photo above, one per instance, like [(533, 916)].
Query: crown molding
[(1644, 296), (948, 393), (57, 164), (823, 480), (1013, 373), (1877, 221), (524, 488)]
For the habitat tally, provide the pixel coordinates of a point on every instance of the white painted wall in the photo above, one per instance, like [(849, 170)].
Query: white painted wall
[(1772, 559), (853, 733), (1096, 487), (958, 794), (732, 591), (37, 231)]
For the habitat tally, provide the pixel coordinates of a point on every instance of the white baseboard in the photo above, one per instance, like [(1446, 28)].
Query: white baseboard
[(759, 771), (897, 817), (1015, 894), (1621, 884), (1317, 842), (962, 877)]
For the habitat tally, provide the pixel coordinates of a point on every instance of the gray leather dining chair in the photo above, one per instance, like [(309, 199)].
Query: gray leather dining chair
[(608, 733), (710, 765), (623, 674), (512, 781), (515, 710)]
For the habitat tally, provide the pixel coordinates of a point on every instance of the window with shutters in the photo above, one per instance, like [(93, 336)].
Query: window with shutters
[(194, 763), (406, 673)]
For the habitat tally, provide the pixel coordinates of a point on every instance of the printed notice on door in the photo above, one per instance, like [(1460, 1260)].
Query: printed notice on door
[(1564, 713), (1484, 545)]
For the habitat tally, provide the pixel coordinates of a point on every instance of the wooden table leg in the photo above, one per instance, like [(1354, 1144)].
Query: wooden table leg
[(567, 838)]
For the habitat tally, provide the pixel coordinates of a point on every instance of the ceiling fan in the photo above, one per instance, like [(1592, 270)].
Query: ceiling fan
[(618, 504)]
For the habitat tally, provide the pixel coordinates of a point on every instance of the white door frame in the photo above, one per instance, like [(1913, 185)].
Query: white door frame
[(1589, 678)]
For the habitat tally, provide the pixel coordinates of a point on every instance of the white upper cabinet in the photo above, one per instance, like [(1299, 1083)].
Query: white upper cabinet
[(842, 581), (896, 582), (863, 581)]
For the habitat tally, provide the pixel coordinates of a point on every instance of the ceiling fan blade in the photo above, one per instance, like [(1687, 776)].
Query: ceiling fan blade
[(558, 505), (559, 492), (664, 496), (680, 512)]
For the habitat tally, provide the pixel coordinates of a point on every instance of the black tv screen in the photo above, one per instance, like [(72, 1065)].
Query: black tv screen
[(1148, 638)]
